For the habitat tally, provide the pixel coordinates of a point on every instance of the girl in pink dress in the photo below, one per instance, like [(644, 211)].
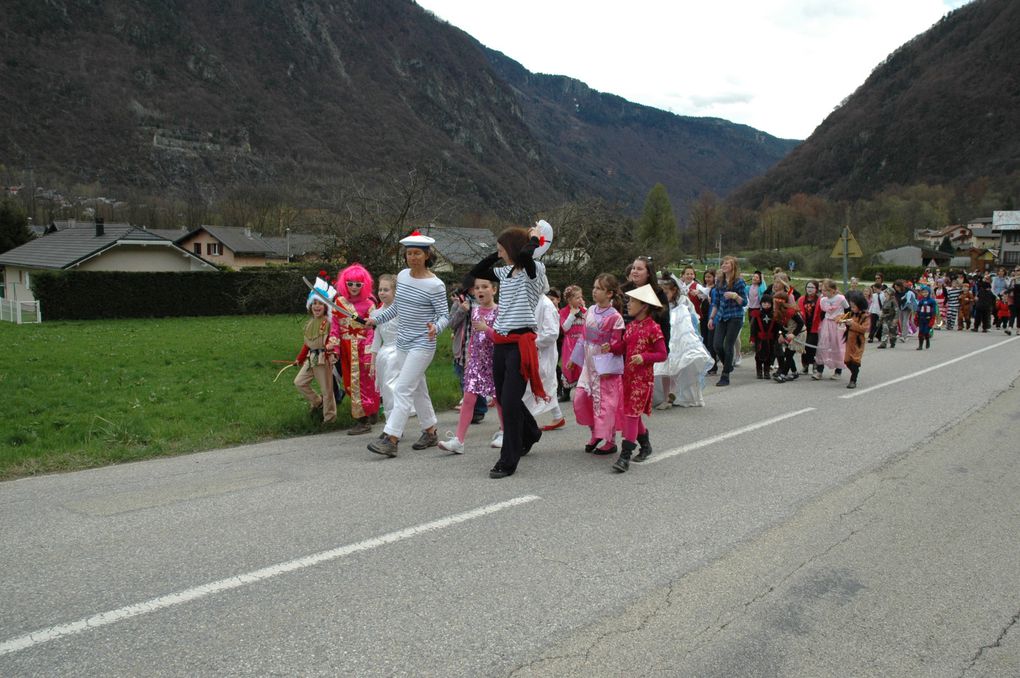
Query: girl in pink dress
[(353, 341), (572, 325), (644, 345), (831, 342), (600, 386), (478, 378)]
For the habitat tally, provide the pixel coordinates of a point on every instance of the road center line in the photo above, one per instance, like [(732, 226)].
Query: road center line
[(724, 436), (863, 391), (162, 602)]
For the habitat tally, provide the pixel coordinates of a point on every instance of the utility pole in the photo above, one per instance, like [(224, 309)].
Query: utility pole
[(288, 243)]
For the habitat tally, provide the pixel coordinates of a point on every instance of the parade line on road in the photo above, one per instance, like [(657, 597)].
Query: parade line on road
[(862, 391), (725, 436), (120, 614)]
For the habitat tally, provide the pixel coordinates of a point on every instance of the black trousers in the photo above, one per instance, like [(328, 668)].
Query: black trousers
[(520, 430), (876, 327), (855, 369)]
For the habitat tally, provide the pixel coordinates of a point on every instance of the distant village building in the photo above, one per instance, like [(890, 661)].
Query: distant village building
[(458, 247), (1006, 225), (232, 247), (912, 255), (92, 247)]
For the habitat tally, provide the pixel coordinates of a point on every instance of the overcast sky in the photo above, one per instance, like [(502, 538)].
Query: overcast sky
[(778, 65)]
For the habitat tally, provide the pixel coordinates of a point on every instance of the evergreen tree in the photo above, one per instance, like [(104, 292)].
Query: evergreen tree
[(947, 246), (14, 229), (657, 227)]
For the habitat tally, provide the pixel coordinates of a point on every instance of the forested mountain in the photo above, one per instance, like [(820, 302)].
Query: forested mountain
[(193, 98), (943, 108)]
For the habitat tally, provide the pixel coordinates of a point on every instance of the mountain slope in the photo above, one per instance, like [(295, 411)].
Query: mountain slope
[(190, 98), (943, 107)]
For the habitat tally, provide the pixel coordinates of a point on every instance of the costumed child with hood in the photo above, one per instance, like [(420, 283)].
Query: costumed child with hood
[(315, 359), (352, 340)]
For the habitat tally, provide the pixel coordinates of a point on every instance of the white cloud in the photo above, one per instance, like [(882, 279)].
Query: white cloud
[(780, 66)]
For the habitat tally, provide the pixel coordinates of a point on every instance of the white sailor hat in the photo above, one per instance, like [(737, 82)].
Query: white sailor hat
[(322, 290), (416, 239), (645, 294)]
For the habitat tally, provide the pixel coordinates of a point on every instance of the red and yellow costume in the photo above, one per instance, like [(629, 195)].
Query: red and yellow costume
[(352, 340)]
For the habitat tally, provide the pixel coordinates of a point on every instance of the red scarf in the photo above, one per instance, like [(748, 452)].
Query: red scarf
[(529, 359)]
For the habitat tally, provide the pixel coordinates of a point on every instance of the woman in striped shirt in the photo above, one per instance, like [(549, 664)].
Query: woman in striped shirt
[(420, 303), (521, 284)]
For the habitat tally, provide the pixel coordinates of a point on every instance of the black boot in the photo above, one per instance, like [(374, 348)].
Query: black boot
[(646, 447), (758, 370), (622, 462)]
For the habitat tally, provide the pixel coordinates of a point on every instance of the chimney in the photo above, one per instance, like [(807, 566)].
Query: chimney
[(99, 227)]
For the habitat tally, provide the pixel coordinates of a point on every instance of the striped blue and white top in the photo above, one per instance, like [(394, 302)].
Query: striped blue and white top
[(418, 302), (518, 297)]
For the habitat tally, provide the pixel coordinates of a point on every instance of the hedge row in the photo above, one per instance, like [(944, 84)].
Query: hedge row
[(891, 272), (88, 295)]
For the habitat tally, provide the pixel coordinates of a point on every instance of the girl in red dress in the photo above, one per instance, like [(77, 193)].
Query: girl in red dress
[(644, 345), (353, 341)]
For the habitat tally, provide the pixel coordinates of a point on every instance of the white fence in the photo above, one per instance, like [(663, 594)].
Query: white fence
[(20, 311)]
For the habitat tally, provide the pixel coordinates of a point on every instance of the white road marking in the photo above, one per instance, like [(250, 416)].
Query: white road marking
[(162, 602), (724, 436), (860, 392)]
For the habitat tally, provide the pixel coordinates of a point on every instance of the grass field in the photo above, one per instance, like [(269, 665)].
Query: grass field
[(82, 394)]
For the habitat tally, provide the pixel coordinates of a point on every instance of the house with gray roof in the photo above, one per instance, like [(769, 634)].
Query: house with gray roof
[(460, 247), (92, 247), (229, 246), (1006, 225)]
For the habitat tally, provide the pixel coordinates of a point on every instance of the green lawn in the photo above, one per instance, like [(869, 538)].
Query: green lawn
[(83, 394)]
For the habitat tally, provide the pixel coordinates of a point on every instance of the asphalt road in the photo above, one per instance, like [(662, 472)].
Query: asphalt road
[(799, 529)]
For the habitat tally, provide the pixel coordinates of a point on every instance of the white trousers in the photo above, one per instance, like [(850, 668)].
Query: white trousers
[(411, 392)]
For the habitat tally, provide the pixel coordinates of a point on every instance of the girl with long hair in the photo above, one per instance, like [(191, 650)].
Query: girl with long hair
[(726, 315)]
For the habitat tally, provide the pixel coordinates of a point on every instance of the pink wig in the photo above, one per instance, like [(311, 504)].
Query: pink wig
[(356, 273)]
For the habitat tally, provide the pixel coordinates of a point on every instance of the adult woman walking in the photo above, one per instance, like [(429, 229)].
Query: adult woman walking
[(522, 282), (726, 316), (420, 304)]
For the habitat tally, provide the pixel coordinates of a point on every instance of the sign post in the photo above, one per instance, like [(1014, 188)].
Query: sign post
[(846, 247)]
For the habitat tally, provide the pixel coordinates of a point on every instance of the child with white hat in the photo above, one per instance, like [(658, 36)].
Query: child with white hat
[(644, 345)]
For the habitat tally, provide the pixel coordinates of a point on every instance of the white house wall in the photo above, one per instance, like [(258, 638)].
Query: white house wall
[(141, 260)]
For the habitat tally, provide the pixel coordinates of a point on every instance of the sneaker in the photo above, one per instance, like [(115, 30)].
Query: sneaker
[(383, 446), (497, 440), (816, 376), (793, 377), (664, 405), (555, 425), (712, 372), (604, 452), (724, 380), (833, 377), (779, 378), (452, 444), (477, 418), (852, 384), (426, 440)]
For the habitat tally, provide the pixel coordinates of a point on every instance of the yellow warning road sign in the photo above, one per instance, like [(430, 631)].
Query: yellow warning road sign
[(852, 248)]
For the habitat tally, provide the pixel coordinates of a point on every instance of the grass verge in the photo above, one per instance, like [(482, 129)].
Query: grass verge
[(84, 394)]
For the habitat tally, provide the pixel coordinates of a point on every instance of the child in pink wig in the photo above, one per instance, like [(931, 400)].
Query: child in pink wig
[(353, 341)]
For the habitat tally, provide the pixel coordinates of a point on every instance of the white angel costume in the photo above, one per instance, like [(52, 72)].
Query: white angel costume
[(547, 318), (384, 346), (688, 359)]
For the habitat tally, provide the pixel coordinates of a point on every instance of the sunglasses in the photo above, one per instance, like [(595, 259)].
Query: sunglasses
[(351, 283)]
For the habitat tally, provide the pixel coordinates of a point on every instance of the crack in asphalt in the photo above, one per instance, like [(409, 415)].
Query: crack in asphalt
[(998, 643)]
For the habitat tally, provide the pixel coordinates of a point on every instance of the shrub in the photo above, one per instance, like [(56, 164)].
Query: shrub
[(891, 272), (87, 295)]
